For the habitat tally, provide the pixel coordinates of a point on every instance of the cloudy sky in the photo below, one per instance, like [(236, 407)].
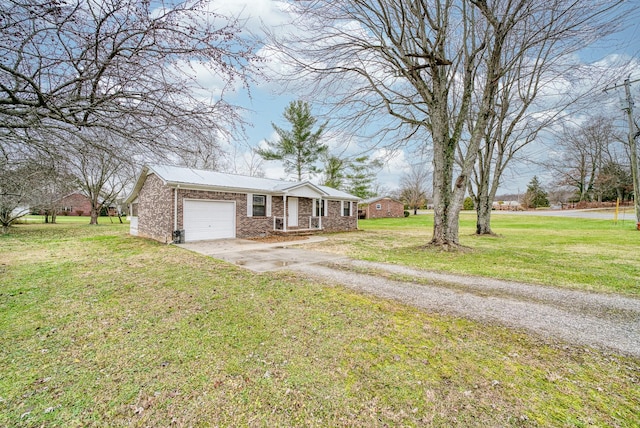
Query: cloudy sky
[(267, 100)]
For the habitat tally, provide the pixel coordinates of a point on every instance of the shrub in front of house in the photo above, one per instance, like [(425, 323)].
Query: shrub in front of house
[(467, 205)]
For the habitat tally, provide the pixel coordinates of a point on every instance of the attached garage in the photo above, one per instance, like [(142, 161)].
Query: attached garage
[(204, 220), (176, 204)]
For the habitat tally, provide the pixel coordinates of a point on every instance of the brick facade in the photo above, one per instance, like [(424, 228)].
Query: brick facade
[(336, 222), (75, 204), (388, 208), (155, 212)]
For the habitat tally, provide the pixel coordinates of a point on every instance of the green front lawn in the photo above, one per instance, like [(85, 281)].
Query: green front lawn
[(63, 219), (102, 329), (577, 253)]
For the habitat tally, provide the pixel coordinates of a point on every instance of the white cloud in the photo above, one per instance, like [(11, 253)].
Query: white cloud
[(253, 13)]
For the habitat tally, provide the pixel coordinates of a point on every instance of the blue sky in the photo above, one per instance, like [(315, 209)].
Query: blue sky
[(267, 102)]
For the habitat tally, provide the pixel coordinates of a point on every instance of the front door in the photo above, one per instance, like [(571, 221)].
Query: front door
[(292, 212)]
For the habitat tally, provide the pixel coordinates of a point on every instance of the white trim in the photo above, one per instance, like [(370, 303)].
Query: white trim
[(293, 220), (268, 209), (286, 213), (342, 208)]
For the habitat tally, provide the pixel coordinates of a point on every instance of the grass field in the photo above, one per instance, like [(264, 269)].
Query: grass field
[(102, 329), (62, 219), (569, 252)]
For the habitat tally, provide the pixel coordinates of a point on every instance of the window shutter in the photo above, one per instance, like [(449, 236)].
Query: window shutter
[(268, 205), (249, 204), (341, 208), (325, 205)]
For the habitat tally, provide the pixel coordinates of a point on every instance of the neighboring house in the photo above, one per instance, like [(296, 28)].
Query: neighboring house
[(74, 204), (170, 203), (380, 207), (507, 206)]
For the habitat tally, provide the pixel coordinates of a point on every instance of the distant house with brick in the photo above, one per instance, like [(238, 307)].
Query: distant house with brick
[(380, 207), (170, 203), (507, 206), (74, 204)]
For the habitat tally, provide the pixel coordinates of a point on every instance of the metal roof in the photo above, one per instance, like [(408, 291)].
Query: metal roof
[(174, 176)]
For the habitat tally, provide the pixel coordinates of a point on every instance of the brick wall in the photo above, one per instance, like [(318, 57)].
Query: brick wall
[(388, 208), (336, 222), (155, 210), (246, 227), (76, 204)]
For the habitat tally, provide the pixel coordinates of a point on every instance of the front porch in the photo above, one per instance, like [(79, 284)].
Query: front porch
[(306, 226)]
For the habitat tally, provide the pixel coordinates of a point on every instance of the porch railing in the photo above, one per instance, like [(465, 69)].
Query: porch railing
[(313, 224)]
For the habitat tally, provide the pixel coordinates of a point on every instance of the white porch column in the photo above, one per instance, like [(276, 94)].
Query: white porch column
[(284, 212), (322, 212)]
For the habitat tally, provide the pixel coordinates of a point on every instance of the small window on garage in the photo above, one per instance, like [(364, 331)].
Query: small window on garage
[(378, 206), (259, 205)]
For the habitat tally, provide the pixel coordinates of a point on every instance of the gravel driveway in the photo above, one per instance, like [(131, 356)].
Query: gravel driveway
[(605, 321)]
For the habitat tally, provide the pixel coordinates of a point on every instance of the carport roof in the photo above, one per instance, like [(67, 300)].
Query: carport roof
[(174, 176)]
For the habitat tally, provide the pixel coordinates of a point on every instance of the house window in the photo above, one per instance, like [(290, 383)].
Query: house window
[(320, 207), (378, 206), (259, 205), (346, 209)]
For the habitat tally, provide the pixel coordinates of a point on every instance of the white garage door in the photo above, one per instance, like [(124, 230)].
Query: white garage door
[(209, 220)]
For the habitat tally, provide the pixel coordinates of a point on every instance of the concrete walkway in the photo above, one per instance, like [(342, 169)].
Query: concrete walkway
[(263, 256)]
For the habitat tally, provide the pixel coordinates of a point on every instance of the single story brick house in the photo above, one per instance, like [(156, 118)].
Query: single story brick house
[(380, 207), (74, 204), (170, 203)]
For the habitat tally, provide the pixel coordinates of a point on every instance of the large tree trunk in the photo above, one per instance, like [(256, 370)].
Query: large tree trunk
[(486, 193), (483, 211), (445, 220), (95, 212)]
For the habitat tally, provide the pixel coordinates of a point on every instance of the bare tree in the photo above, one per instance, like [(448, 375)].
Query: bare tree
[(100, 174), (511, 125), (414, 186), (124, 66), (422, 62), (18, 190), (581, 156), (55, 183)]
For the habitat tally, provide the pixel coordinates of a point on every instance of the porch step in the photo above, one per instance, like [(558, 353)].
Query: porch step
[(296, 232)]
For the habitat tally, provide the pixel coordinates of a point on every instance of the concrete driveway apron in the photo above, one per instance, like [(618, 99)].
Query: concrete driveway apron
[(260, 256)]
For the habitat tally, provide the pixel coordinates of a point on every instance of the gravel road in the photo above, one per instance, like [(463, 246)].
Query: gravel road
[(606, 321)]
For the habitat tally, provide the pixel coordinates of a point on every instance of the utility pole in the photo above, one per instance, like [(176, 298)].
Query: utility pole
[(634, 132)]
